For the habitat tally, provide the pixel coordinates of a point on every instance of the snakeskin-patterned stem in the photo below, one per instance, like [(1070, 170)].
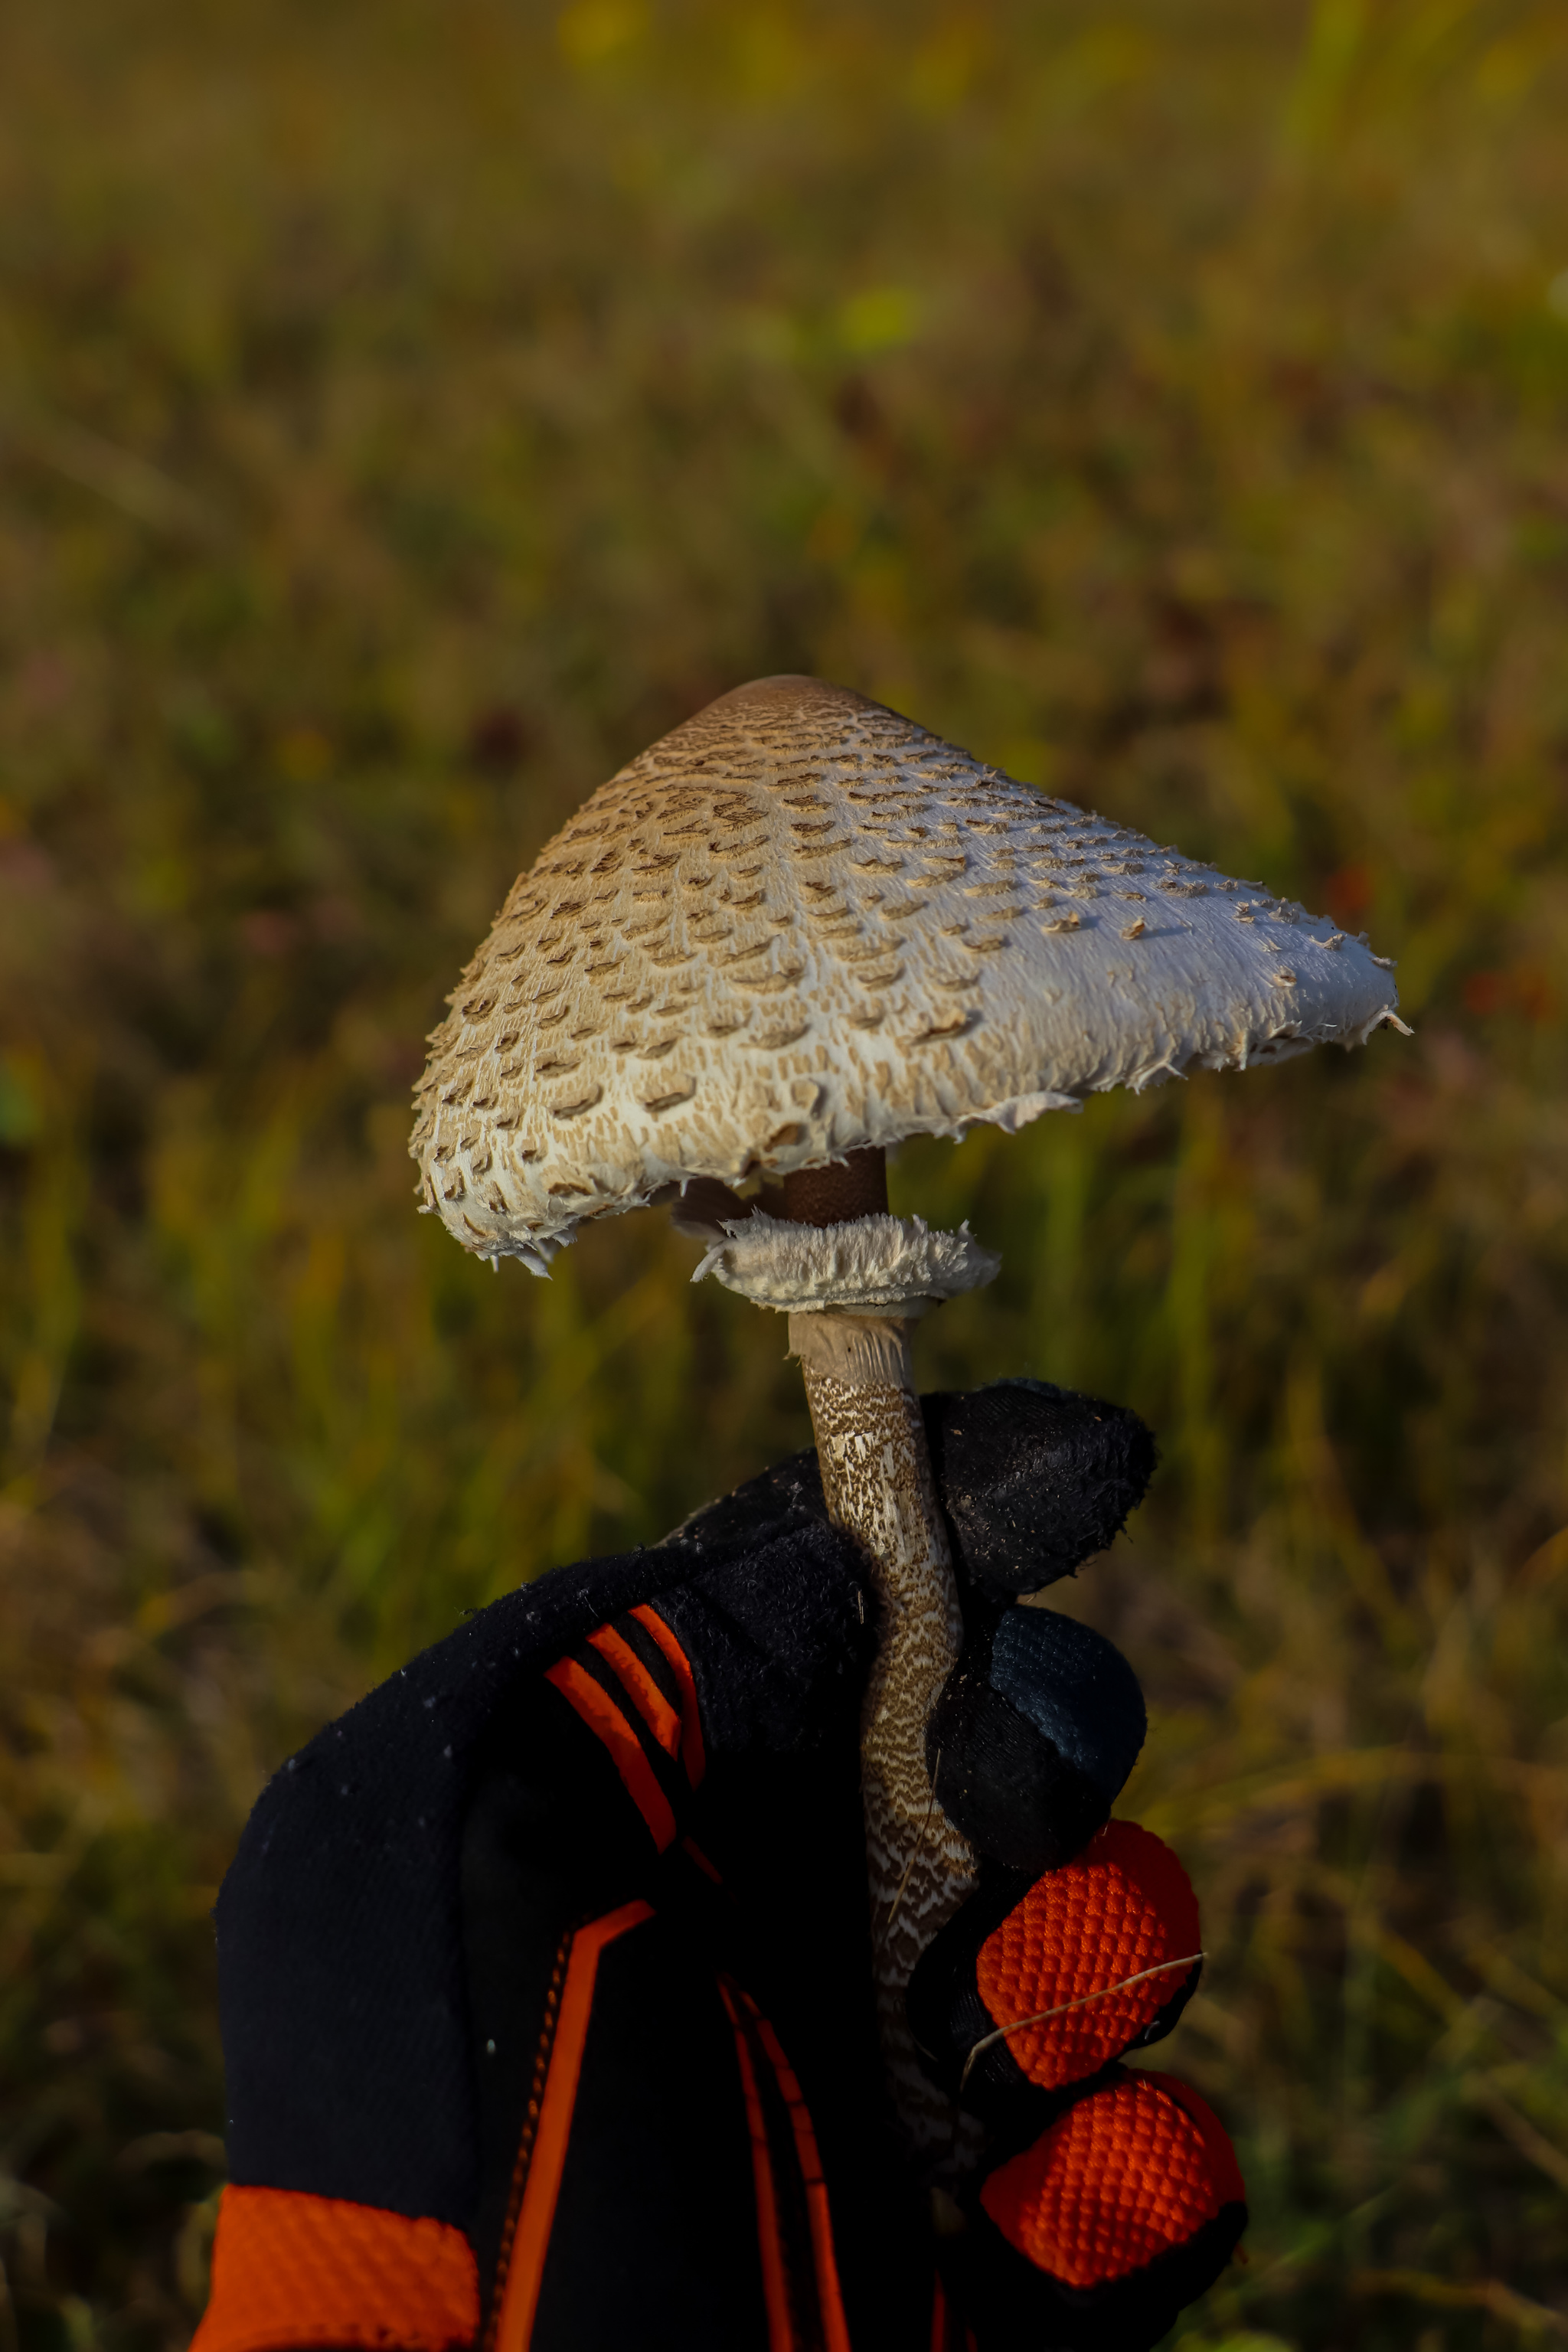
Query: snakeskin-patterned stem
[(877, 1480)]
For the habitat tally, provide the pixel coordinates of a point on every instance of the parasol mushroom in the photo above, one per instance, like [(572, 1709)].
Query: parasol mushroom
[(798, 929)]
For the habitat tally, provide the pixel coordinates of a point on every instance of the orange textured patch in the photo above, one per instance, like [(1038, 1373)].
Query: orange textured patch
[(1122, 2176), (290, 2270), (1124, 1905)]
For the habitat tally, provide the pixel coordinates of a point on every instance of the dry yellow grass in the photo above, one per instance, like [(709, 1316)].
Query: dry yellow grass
[(405, 415)]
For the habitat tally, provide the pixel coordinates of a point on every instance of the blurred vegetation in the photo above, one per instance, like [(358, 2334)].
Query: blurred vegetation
[(406, 413)]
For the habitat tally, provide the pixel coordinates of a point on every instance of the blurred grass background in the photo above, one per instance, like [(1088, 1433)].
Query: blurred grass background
[(406, 412)]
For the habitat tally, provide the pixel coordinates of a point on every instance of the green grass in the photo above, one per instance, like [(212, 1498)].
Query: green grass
[(406, 412)]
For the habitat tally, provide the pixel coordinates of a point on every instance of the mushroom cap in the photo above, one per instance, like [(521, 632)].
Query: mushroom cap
[(799, 925)]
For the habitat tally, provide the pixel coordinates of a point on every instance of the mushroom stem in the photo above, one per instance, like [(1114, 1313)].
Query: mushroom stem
[(855, 1186), (877, 1484)]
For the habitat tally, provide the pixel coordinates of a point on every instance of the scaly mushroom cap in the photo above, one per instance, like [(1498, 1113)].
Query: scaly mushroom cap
[(799, 925)]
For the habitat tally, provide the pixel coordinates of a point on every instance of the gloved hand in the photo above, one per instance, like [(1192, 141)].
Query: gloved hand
[(511, 1957)]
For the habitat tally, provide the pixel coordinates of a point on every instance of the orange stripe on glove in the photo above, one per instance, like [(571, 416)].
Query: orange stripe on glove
[(691, 1748), (604, 1718)]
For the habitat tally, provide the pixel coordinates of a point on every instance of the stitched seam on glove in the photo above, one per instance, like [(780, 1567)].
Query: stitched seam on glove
[(519, 2299)]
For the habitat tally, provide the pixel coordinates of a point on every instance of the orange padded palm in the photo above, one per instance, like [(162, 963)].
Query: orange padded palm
[(291, 2269), (1123, 1906), (1123, 2178)]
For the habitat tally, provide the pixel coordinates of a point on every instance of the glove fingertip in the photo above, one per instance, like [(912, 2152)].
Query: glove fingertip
[(1125, 2211), (1004, 1784), (1077, 1689)]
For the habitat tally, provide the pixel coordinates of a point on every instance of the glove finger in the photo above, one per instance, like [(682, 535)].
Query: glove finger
[(1033, 1736), (1126, 2209), (1023, 1994), (1033, 1480)]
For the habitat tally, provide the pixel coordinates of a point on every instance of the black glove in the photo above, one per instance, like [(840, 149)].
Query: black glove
[(512, 1957)]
